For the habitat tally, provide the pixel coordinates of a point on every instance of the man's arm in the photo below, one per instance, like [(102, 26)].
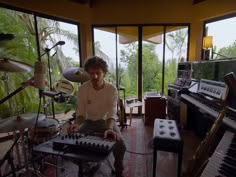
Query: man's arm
[(110, 131), (79, 120), (110, 123)]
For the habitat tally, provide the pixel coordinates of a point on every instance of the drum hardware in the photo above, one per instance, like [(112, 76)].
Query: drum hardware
[(45, 130), (10, 65), (47, 53), (64, 86), (57, 96), (17, 148), (19, 122), (76, 74), (5, 79), (13, 154), (23, 85), (8, 157)]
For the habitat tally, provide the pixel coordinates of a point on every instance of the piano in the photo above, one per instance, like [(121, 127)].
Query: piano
[(222, 163), (206, 96)]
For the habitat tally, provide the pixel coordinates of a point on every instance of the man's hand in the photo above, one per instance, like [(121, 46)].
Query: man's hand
[(110, 132), (72, 128)]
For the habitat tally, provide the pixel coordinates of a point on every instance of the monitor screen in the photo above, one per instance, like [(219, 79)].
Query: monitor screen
[(213, 69), (203, 70)]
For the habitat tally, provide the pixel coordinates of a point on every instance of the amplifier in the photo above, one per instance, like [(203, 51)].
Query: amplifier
[(88, 143)]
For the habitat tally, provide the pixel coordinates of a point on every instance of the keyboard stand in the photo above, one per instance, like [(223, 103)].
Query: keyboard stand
[(78, 158)]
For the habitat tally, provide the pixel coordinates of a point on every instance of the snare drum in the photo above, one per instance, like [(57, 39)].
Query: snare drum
[(45, 130)]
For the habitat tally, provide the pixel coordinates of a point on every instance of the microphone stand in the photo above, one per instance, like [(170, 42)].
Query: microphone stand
[(47, 51)]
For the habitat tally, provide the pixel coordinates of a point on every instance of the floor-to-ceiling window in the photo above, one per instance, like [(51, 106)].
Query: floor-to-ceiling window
[(152, 58), (21, 44), (162, 47), (222, 32), (119, 47), (176, 51)]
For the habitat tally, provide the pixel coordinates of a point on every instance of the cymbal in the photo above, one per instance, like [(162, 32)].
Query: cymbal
[(76, 74), (6, 36), (19, 122), (10, 65)]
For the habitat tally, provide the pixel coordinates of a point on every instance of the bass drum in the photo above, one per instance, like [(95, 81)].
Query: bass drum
[(45, 130)]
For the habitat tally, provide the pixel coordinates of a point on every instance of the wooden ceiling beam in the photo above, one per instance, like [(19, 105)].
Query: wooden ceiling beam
[(197, 1)]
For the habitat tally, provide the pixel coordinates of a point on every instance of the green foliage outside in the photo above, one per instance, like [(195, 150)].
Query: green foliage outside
[(151, 69), (228, 52), (23, 48)]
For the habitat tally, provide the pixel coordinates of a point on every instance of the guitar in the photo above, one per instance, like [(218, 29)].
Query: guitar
[(121, 113), (201, 155)]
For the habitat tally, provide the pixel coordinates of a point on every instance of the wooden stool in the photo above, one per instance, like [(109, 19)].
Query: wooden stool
[(166, 137)]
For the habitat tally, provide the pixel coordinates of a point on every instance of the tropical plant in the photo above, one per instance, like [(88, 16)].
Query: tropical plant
[(23, 48)]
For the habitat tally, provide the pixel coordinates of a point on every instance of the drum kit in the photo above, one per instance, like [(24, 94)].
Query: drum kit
[(33, 126)]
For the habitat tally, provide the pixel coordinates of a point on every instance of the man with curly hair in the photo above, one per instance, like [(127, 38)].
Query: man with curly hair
[(97, 108)]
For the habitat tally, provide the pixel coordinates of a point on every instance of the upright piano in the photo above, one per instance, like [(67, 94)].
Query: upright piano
[(206, 96)]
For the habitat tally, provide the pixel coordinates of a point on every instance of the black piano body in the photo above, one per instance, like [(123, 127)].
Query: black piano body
[(203, 108)]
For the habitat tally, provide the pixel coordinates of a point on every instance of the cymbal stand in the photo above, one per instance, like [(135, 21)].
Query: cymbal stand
[(23, 85), (10, 158), (15, 136), (5, 79), (22, 131), (46, 104)]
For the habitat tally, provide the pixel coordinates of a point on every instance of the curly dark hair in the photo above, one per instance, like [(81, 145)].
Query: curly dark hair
[(96, 63)]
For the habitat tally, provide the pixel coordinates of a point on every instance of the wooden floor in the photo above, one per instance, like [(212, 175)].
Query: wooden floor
[(138, 157)]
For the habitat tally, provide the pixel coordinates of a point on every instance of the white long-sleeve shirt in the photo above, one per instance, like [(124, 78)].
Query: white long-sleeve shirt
[(97, 104)]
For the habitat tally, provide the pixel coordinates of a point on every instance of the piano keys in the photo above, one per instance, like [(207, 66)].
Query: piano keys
[(228, 122), (222, 163), (207, 97)]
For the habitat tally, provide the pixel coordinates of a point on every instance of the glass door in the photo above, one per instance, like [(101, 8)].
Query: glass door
[(152, 58)]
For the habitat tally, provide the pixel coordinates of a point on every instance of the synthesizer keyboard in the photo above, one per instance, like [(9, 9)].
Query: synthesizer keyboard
[(222, 162), (79, 142), (227, 121)]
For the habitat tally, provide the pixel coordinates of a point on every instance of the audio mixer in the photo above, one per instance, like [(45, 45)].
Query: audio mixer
[(89, 143)]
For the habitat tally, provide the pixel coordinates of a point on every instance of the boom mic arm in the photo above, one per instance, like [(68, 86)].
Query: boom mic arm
[(59, 97)]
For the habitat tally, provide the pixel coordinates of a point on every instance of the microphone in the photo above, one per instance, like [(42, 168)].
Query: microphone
[(39, 75), (60, 43), (57, 96)]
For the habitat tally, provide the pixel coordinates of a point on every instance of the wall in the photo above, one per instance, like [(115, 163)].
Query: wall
[(133, 12)]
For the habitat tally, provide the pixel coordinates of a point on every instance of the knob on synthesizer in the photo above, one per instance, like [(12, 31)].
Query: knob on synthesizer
[(89, 143)]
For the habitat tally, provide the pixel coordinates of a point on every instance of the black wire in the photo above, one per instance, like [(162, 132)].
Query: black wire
[(139, 153), (142, 153)]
